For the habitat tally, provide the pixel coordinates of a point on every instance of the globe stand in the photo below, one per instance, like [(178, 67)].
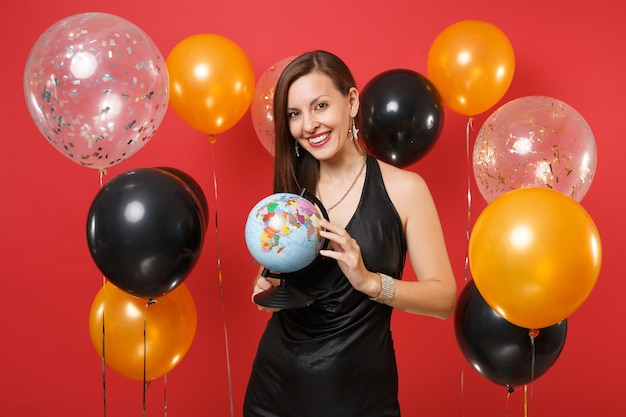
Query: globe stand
[(284, 296)]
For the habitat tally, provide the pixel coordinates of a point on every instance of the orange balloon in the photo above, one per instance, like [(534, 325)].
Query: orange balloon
[(535, 256), (211, 82), (170, 326), (471, 63)]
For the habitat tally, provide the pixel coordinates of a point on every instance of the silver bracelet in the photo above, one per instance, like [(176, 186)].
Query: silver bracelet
[(387, 289)]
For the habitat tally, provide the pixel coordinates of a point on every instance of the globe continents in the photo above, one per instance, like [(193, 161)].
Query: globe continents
[(283, 233)]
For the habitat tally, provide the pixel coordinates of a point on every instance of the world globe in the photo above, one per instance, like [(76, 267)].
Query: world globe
[(282, 232)]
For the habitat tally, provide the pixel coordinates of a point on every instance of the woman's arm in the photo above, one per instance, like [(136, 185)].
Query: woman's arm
[(434, 293)]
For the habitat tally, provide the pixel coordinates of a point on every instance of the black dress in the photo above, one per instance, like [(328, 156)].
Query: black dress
[(335, 358)]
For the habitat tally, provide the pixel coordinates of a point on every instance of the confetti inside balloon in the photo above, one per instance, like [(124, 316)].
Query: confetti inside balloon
[(96, 87), (534, 141), (262, 108)]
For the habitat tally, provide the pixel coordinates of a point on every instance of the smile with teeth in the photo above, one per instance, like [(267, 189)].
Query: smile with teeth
[(314, 140)]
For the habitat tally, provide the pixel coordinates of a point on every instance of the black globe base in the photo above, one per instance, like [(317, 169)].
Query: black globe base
[(283, 297)]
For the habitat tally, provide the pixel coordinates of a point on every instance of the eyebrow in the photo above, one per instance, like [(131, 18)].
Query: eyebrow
[(316, 99)]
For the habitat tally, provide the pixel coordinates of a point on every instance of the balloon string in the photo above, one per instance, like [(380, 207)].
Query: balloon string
[(102, 172), (145, 354), (219, 277), (217, 231), (463, 392), (509, 391), (165, 395), (467, 235), (469, 197), (230, 385), (104, 377), (525, 400), (532, 334)]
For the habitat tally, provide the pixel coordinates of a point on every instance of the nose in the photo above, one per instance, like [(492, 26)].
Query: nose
[(310, 123)]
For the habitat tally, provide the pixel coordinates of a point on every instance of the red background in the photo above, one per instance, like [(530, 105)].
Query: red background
[(572, 51)]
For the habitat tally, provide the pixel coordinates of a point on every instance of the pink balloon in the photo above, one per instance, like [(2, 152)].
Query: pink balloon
[(97, 88), (534, 141), (262, 107)]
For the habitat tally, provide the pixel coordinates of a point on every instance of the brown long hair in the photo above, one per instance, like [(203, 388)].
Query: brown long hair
[(292, 173)]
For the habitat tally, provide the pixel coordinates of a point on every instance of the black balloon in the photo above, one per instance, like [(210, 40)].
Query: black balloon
[(499, 350), (194, 187), (145, 230), (401, 116)]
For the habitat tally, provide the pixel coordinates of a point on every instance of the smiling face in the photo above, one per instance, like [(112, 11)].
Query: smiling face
[(319, 116)]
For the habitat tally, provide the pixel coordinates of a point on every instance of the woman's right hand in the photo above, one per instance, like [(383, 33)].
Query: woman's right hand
[(263, 284)]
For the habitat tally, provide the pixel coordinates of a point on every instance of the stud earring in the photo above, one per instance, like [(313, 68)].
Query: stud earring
[(354, 132), (297, 149)]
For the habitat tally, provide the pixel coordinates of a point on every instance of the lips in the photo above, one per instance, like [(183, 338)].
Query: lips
[(319, 140)]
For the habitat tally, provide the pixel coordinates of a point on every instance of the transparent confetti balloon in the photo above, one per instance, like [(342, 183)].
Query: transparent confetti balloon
[(534, 141), (96, 87), (262, 107)]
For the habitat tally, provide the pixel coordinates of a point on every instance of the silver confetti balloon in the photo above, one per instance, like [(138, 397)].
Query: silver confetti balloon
[(96, 87)]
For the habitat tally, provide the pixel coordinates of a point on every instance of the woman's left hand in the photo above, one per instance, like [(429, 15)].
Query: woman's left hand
[(347, 252)]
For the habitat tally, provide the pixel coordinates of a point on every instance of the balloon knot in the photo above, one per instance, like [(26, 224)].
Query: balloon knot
[(533, 332), (511, 389), (212, 139)]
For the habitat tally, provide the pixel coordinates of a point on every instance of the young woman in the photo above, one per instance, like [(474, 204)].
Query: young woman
[(336, 356)]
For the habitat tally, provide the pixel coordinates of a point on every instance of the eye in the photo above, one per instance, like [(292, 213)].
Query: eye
[(292, 114), (321, 105)]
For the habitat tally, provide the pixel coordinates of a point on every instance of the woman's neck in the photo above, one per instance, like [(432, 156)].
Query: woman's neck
[(342, 167)]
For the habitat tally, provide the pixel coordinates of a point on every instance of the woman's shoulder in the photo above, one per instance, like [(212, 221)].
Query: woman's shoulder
[(407, 189), (399, 178)]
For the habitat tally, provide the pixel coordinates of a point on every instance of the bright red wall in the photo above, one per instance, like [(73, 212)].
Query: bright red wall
[(571, 51)]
